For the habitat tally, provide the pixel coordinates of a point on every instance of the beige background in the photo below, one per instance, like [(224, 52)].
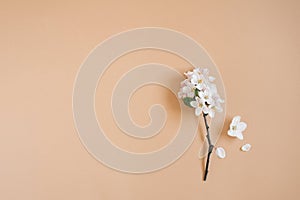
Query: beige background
[(42, 44)]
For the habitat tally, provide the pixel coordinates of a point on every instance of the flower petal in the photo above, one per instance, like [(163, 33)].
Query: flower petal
[(198, 111), (220, 151), (235, 121), (194, 80), (239, 135), (201, 94), (246, 147), (211, 113), (205, 109), (194, 104), (231, 133), (211, 78), (205, 71), (199, 86), (241, 126), (186, 89)]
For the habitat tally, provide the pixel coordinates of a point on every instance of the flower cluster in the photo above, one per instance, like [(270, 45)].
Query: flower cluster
[(199, 91)]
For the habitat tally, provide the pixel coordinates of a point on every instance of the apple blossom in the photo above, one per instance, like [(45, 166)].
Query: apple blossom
[(236, 128)]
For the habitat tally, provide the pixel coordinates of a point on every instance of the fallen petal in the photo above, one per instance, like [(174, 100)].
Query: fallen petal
[(239, 135), (241, 126), (231, 133), (246, 147), (235, 121), (220, 151)]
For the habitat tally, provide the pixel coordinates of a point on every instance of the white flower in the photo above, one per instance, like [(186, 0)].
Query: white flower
[(209, 110), (237, 127), (217, 101), (189, 74), (246, 147), (206, 96), (199, 77), (214, 107), (214, 94), (205, 73), (220, 151), (199, 106), (198, 80)]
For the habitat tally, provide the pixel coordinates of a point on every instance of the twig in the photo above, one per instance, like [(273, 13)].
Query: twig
[(210, 147)]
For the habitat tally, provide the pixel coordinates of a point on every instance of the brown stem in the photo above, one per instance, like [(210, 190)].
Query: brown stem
[(210, 147)]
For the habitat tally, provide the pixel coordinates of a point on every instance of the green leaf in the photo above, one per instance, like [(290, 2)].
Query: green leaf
[(196, 92), (187, 101)]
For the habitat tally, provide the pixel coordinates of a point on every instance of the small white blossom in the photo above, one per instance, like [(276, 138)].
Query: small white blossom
[(220, 151), (205, 73), (214, 93), (237, 127), (199, 106), (198, 80), (206, 96), (210, 111), (189, 74)]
